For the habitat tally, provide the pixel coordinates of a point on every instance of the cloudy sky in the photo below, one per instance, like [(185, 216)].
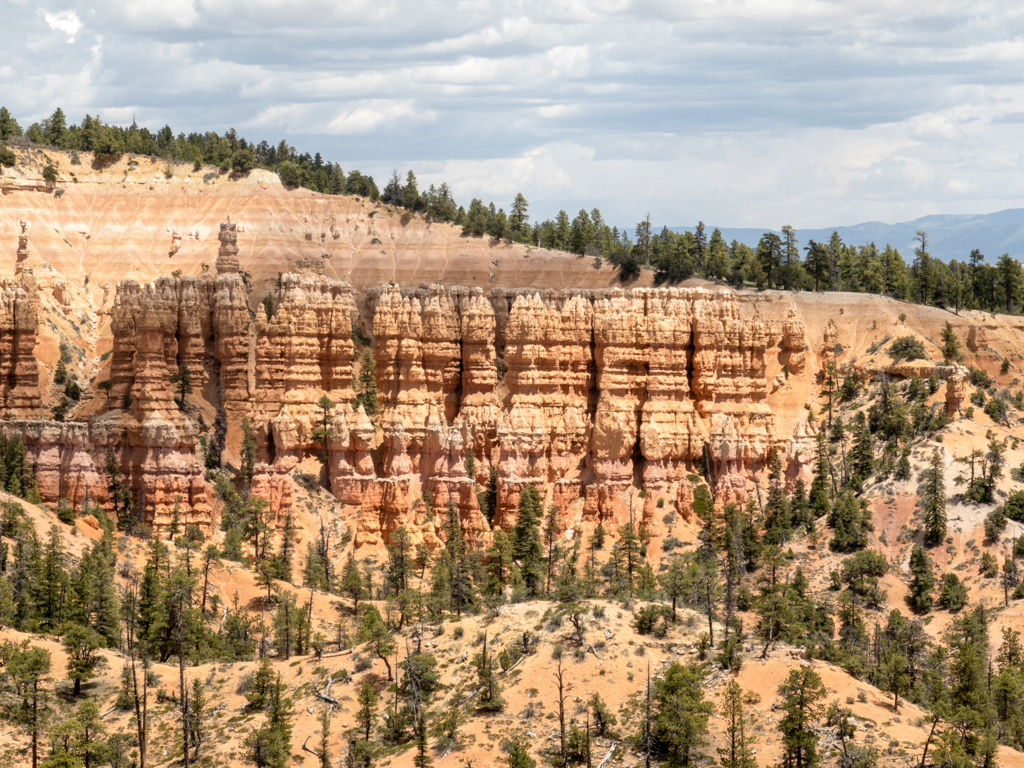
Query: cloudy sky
[(757, 113)]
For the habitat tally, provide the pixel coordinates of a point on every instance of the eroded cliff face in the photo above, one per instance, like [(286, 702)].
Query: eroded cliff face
[(592, 397), (611, 402), (20, 397)]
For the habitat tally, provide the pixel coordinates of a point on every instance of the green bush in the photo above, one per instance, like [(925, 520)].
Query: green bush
[(953, 596), (996, 408), (652, 620), (979, 378), (907, 348)]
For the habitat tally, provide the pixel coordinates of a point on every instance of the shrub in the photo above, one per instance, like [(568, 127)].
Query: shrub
[(907, 348), (979, 378), (65, 512), (995, 524), (652, 620), (49, 173), (953, 596), (996, 408), (1014, 507)]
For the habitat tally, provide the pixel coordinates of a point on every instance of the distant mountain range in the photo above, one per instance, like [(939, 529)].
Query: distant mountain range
[(950, 236)]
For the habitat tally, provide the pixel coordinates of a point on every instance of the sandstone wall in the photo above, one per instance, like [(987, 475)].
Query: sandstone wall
[(592, 396)]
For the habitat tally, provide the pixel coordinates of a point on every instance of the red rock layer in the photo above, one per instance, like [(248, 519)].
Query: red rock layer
[(589, 396), (544, 433), (19, 371), (303, 351)]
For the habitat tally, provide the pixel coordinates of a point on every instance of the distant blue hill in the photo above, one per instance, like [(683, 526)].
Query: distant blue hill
[(950, 236)]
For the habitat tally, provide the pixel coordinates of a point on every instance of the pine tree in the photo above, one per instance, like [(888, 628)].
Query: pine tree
[(197, 727), (862, 456), (422, 758), (28, 668), (323, 752), (526, 546), (375, 634), (366, 715), (851, 520), (183, 378), (680, 714), (352, 583), (519, 755), (51, 583), (366, 386), (90, 744), (922, 581), (934, 502), (489, 696), (440, 585), (118, 491), (820, 483), (802, 691), (487, 498), (257, 695), (247, 464), (81, 644), (322, 432), (738, 753), (498, 563), (831, 380), (950, 344), (777, 522), (893, 673), (550, 536)]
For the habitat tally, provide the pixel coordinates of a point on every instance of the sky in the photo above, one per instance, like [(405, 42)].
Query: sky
[(758, 113)]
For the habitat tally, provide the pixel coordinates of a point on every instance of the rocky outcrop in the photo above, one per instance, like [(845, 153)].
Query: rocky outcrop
[(956, 389), (673, 435), (195, 322), (19, 370), (22, 248), (794, 340), (590, 396), (227, 255), (729, 364), (544, 433), (303, 351), (480, 406), (66, 458)]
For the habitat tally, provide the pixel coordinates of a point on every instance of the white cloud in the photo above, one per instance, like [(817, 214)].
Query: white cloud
[(65, 22), (371, 115), (734, 111)]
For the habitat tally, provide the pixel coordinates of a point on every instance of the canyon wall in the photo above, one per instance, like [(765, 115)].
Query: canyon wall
[(611, 402)]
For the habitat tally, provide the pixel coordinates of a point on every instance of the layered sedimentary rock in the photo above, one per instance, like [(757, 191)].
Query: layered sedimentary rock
[(673, 435), (227, 254), (158, 328), (303, 351), (198, 323), (480, 407), (546, 423), (418, 359), (19, 371), (22, 247), (67, 458), (590, 396), (729, 364), (956, 388), (794, 340)]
